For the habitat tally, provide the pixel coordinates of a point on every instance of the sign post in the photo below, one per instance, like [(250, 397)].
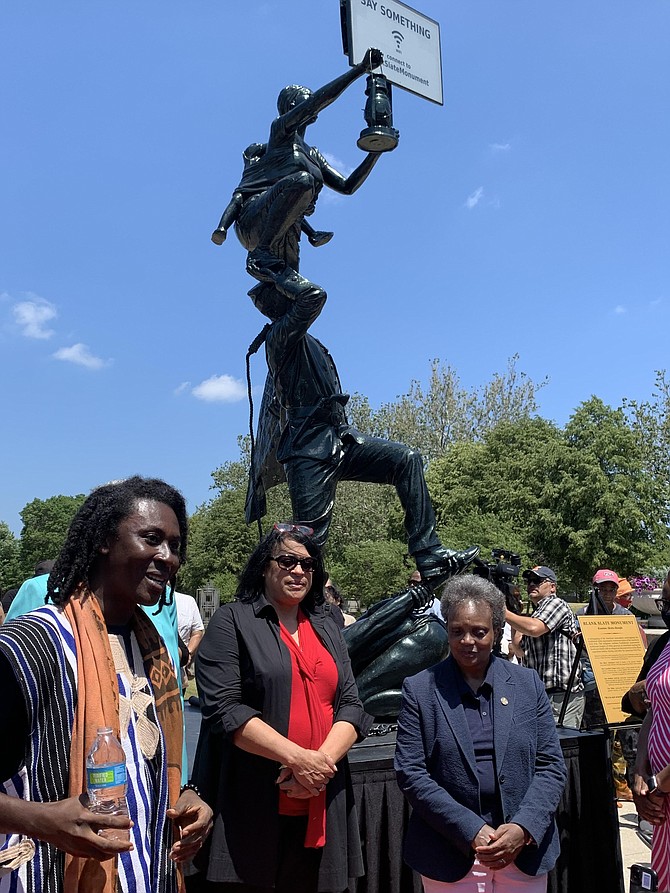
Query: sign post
[(409, 40)]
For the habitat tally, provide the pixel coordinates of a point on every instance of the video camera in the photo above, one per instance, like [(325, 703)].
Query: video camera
[(503, 572)]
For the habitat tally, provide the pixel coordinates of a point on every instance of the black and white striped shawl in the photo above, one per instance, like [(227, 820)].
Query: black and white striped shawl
[(40, 648)]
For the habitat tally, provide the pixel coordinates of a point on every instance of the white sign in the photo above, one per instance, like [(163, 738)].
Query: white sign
[(409, 41)]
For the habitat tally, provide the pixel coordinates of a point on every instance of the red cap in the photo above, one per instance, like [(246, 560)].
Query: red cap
[(605, 576)]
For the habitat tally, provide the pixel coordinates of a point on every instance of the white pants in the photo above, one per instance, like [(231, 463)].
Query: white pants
[(482, 880)]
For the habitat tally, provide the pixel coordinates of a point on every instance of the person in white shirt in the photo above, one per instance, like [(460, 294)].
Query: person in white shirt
[(190, 627)]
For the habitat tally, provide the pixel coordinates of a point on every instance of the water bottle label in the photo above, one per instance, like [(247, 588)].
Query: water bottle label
[(106, 776)]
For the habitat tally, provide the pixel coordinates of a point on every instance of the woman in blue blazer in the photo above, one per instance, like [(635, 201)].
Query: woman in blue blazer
[(478, 758)]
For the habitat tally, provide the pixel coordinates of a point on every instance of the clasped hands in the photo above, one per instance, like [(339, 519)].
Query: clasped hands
[(497, 847), (307, 776)]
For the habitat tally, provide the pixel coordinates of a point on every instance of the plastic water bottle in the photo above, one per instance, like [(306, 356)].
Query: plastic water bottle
[(106, 781)]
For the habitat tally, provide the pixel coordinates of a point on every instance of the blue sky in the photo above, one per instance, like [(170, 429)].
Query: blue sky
[(528, 214)]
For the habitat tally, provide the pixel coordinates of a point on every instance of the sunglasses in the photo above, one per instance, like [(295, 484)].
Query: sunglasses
[(288, 562), (287, 527)]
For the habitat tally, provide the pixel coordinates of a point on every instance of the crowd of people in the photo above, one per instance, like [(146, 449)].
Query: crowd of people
[(99, 638)]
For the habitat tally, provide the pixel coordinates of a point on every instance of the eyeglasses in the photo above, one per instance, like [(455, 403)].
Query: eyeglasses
[(288, 562), (288, 527)]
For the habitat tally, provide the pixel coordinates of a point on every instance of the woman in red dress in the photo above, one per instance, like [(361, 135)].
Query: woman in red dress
[(280, 711)]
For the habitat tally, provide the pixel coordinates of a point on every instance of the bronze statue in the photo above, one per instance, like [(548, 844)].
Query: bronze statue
[(281, 181), (303, 434), (395, 638)]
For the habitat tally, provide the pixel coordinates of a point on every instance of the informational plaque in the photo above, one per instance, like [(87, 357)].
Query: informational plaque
[(616, 653), (409, 40)]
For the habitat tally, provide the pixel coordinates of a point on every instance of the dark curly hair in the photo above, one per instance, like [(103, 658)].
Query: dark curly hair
[(470, 588), (97, 520), (252, 583)]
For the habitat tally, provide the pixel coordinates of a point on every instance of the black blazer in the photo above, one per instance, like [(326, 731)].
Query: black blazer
[(436, 769), (243, 669)]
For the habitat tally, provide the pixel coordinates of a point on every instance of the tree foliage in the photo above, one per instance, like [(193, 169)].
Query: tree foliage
[(650, 420), (369, 570), (627, 503), (10, 567), (432, 418), (45, 525), (574, 499)]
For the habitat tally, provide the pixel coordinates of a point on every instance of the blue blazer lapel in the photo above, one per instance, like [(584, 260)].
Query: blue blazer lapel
[(504, 696), (449, 701)]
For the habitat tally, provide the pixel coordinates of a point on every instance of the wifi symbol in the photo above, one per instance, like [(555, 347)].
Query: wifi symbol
[(399, 37)]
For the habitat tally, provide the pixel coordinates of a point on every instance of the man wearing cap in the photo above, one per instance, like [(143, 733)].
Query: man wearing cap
[(549, 643)]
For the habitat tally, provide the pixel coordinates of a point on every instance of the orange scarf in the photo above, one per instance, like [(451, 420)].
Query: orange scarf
[(98, 707)]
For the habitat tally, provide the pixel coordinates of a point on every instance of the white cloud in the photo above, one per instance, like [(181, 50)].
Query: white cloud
[(81, 356), (337, 163), (328, 197), (184, 386), (473, 200), (220, 389), (619, 310), (500, 147), (32, 316)]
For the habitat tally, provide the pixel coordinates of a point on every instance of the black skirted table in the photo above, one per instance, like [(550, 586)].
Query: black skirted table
[(588, 823), (590, 860)]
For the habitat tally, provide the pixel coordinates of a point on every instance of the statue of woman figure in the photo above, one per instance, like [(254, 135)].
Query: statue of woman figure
[(282, 180)]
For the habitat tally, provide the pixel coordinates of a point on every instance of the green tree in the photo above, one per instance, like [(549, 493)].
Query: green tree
[(486, 492), (45, 525), (431, 418), (650, 420), (572, 499), (10, 568), (219, 539), (362, 512), (626, 525), (370, 570)]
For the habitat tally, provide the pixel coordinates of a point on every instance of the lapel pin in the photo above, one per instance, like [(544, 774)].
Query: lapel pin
[(504, 702)]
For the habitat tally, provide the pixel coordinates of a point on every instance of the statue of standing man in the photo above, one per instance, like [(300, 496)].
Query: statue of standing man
[(303, 432)]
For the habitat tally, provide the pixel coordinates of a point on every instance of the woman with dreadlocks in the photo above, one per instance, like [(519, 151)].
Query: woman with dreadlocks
[(90, 660)]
